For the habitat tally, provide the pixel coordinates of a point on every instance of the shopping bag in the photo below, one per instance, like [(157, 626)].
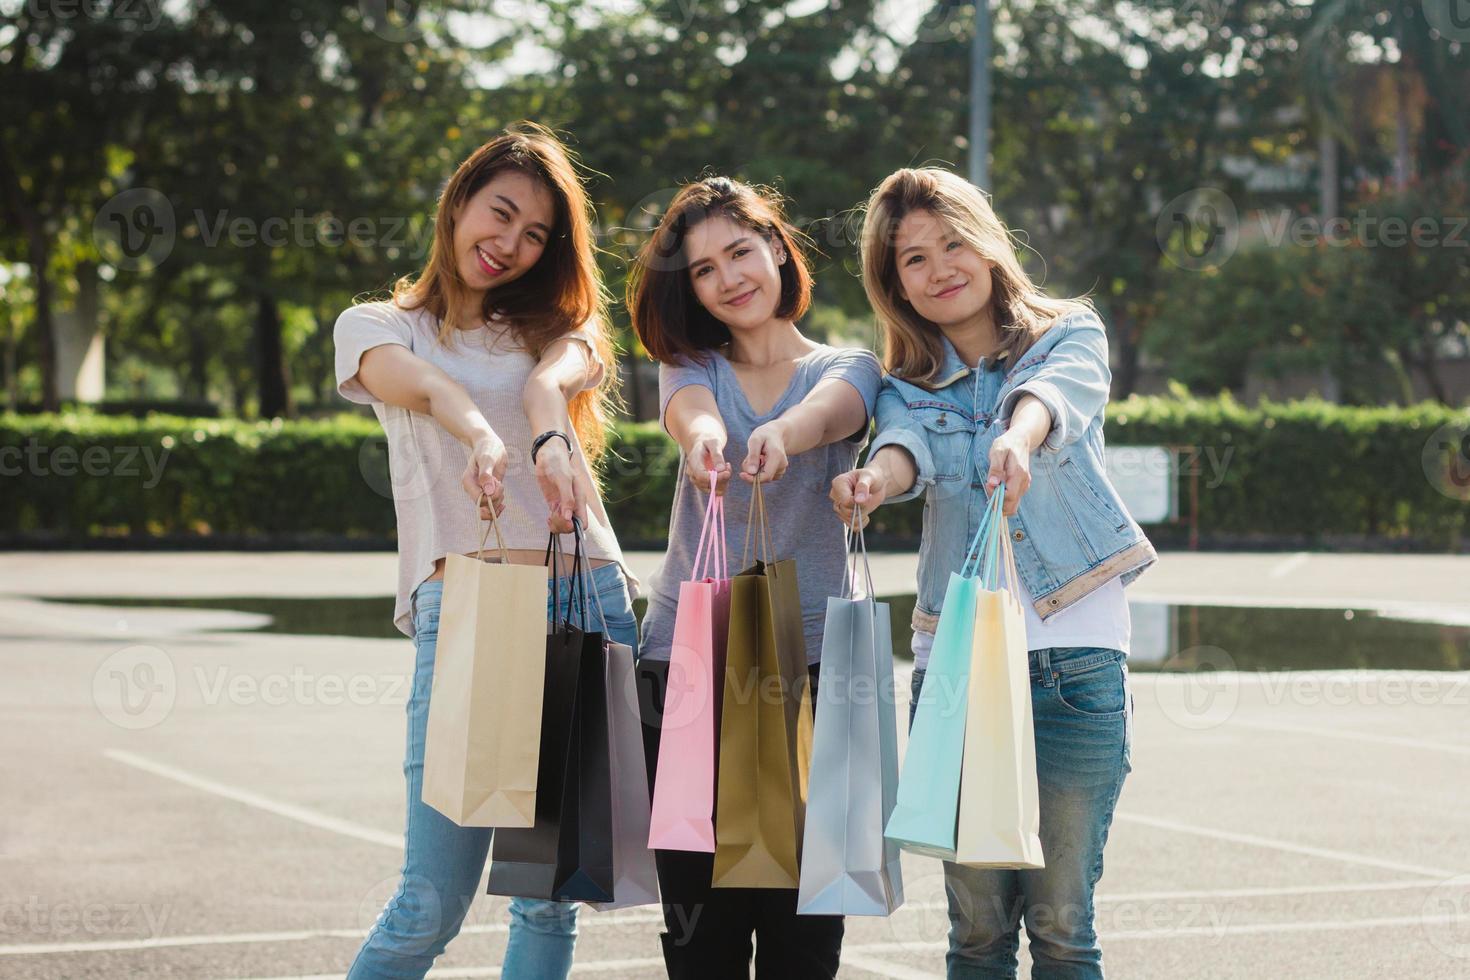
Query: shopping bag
[(567, 855), (924, 818), (480, 767), (847, 866), (635, 876), (682, 817), (1000, 809), (765, 724)]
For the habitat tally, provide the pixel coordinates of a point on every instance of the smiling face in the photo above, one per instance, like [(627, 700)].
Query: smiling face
[(502, 230), (945, 280), (735, 272)]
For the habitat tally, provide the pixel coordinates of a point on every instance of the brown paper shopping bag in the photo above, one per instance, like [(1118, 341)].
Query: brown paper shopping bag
[(482, 747), (765, 725)]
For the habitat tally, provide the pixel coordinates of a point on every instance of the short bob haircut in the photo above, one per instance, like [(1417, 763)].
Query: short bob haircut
[(669, 319)]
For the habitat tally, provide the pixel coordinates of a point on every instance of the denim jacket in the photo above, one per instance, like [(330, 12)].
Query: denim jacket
[(1072, 532)]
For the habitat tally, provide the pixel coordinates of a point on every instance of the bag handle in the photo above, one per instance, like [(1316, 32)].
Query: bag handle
[(554, 559), (976, 551), (857, 546), (494, 523), (589, 586), (1013, 574), (714, 524), (757, 503)]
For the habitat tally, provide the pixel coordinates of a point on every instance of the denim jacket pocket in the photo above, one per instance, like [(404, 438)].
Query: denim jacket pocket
[(1079, 492), (950, 435)]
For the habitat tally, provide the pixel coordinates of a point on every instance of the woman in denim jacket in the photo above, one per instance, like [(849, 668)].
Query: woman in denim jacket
[(990, 381)]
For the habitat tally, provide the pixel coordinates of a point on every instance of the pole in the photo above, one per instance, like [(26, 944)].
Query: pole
[(980, 97)]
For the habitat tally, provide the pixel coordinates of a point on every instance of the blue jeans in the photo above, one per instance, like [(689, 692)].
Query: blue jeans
[(443, 861), (1083, 715)]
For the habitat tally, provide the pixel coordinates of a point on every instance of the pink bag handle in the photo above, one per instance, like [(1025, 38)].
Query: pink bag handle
[(711, 533)]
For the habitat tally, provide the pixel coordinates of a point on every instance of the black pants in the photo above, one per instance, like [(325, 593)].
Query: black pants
[(709, 931)]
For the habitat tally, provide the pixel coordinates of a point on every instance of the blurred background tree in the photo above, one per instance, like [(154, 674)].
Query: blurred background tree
[(206, 184)]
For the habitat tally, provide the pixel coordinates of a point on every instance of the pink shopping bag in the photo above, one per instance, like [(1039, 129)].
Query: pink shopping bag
[(682, 817)]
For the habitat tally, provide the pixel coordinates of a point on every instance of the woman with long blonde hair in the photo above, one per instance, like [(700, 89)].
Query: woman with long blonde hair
[(491, 373), (989, 383)]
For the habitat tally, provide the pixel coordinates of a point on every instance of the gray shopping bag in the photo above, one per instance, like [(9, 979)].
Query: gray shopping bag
[(847, 866), (635, 878)]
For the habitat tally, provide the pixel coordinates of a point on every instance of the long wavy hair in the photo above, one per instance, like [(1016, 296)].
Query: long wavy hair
[(561, 292), (666, 313), (912, 346)]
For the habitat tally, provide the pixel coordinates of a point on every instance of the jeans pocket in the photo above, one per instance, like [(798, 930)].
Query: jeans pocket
[(1100, 690), (424, 610)]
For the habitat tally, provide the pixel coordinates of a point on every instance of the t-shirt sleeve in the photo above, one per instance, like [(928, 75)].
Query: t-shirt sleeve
[(586, 335), (682, 374), (859, 368), (358, 330)]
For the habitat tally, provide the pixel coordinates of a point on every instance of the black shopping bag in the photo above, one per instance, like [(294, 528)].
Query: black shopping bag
[(568, 855)]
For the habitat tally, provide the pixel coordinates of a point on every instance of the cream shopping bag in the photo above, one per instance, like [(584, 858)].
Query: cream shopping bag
[(999, 822), (483, 744)]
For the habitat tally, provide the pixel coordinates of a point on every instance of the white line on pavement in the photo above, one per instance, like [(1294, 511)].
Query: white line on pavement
[(629, 917), (1288, 846), (290, 811), (1400, 740), (934, 949)]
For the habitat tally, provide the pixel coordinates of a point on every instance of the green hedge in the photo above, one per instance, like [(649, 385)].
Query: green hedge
[(1305, 472)]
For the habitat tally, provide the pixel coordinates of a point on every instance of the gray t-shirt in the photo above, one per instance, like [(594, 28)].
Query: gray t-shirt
[(798, 508)]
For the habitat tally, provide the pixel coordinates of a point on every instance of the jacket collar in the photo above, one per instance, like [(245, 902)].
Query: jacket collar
[(952, 368)]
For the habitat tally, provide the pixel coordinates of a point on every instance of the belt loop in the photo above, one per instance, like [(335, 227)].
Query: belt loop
[(1043, 665)]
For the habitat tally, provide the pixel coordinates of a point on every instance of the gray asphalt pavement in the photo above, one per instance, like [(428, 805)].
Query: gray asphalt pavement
[(185, 801)]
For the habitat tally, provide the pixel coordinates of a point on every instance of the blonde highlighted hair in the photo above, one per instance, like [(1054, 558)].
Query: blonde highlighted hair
[(560, 293), (913, 348)]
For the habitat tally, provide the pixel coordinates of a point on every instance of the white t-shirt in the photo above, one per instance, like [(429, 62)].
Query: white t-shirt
[(435, 515), (1100, 619)]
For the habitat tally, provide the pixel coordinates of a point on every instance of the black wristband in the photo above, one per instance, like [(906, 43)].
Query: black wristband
[(545, 437)]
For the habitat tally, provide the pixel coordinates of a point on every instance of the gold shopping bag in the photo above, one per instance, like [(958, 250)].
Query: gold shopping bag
[(765, 725)]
